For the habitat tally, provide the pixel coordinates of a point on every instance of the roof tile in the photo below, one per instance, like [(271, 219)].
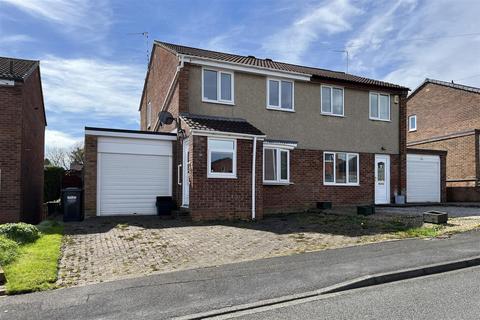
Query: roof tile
[(219, 124), (276, 65), (15, 69)]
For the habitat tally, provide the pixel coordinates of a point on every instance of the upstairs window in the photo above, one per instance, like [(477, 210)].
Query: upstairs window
[(276, 166), (222, 158), (217, 86), (280, 95), (331, 100), (412, 123), (340, 168), (379, 106)]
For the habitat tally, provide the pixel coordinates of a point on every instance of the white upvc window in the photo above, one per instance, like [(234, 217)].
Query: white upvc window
[(341, 168), (280, 94), (412, 123), (217, 86), (332, 100), (276, 165), (379, 106), (222, 158), (149, 115)]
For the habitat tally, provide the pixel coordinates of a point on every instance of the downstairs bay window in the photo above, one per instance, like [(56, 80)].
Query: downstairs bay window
[(340, 168), (276, 165)]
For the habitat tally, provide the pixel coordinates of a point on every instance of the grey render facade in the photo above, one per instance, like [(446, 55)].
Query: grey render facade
[(323, 136)]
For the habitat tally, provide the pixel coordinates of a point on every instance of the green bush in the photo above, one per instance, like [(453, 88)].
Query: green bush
[(52, 183), (20, 232), (8, 250)]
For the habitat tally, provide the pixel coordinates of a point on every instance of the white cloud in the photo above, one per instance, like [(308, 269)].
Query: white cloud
[(15, 39), (58, 139), (331, 17), (92, 86), (93, 16), (412, 42)]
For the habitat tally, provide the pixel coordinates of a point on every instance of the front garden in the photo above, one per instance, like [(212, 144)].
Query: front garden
[(29, 255)]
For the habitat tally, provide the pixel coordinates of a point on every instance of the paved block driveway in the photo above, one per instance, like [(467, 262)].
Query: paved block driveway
[(105, 249)]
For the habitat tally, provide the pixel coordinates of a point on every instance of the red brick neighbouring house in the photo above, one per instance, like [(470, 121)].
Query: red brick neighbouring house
[(22, 133), (446, 116), (257, 136)]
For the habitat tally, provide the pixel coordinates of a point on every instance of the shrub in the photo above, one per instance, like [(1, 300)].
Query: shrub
[(8, 250), (52, 183), (20, 232)]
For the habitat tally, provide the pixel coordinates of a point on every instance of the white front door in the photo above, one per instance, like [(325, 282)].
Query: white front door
[(382, 179), (185, 173)]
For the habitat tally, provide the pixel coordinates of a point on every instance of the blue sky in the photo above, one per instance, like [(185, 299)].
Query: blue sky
[(93, 66)]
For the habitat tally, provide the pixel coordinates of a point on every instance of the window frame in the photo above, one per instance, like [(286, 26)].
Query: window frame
[(347, 176), (149, 114), (378, 94), (221, 175), (279, 107), (410, 128), (331, 87), (219, 86), (278, 165)]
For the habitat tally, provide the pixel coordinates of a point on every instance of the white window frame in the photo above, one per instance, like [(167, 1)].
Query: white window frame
[(219, 86), (378, 94), (410, 127), (279, 180), (347, 183), (279, 107), (331, 101), (222, 175), (149, 115)]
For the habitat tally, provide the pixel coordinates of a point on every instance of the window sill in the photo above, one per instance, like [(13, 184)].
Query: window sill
[(342, 184), (273, 183), (382, 120), (210, 176), (227, 103), (332, 115), (280, 109), (413, 130)]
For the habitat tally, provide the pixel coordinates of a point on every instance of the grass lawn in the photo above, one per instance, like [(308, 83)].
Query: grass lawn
[(35, 268)]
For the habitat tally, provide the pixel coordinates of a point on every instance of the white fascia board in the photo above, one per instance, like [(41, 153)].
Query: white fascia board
[(244, 68), (4, 82), (102, 133), (289, 146), (221, 134)]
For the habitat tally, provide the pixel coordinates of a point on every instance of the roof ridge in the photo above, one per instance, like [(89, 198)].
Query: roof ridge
[(450, 83), (247, 56), (275, 65)]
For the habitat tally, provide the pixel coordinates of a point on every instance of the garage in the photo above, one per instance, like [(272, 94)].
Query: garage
[(132, 169), (423, 178)]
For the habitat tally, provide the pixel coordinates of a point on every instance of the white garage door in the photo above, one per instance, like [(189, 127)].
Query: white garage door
[(131, 174), (423, 178)]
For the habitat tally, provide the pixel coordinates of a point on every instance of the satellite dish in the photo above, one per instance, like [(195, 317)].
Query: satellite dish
[(165, 117)]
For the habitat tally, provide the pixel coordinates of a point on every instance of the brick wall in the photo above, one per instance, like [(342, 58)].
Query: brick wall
[(162, 72), (33, 139), (215, 198), (307, 188), (22, 129), (442, 110), (461, 159), (10, 153), (90, 176)]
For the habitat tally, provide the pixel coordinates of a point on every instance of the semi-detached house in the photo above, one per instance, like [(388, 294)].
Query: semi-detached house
[(230, 136)]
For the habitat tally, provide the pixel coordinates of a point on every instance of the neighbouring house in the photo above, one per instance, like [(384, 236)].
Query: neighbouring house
[(230, 136), (446, 116), (22, 135)]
